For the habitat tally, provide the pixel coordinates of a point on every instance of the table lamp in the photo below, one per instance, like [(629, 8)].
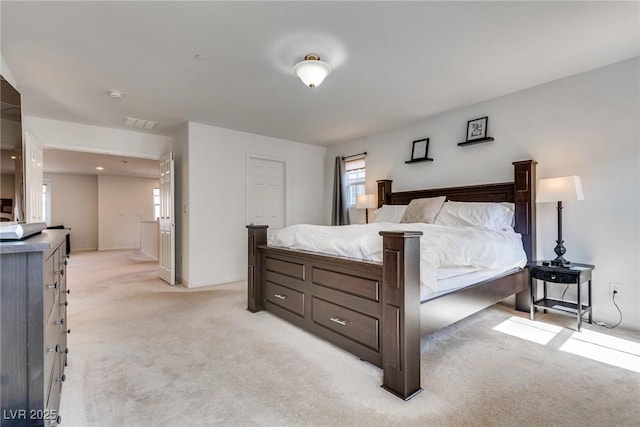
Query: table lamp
[(566, 188), (366, 201)]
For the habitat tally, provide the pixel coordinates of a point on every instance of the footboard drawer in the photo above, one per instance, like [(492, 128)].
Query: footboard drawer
[(285, 297), (354, 325)]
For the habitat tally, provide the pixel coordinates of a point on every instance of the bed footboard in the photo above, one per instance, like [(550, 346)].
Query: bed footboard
[(370, 310)]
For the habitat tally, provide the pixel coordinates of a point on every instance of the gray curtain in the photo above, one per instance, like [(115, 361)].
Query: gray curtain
[(340, 209)]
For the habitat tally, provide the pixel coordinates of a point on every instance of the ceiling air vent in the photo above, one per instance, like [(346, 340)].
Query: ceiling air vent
[(139, 123)]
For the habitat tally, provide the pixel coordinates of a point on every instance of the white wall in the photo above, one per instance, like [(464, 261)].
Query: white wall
[(122, 203), (180, 147), (96, 139), (217, 205), (149, 236), (74, 204), (585, 125)]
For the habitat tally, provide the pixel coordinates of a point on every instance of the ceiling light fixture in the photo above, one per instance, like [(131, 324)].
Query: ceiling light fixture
[(312, 71), (115, 93), (100, 168)]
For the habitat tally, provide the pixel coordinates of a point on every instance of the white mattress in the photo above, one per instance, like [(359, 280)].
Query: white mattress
[(445, 252)]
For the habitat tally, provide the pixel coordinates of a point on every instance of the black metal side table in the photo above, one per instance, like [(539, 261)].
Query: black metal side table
[(575, 274)]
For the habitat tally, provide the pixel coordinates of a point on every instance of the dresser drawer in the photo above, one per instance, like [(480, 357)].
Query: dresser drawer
[(558, 276), (53, 395), (285, 297), (51, 345), (50, 286), (354, 325)]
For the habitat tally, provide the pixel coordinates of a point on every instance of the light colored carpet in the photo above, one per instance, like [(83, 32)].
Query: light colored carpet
[(143, 353)]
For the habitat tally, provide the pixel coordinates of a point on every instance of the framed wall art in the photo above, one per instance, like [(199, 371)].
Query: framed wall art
[(477, 131), (477, 128), (420, 151)]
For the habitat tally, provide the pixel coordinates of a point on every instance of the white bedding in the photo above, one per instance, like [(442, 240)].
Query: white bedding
[(440, 246)]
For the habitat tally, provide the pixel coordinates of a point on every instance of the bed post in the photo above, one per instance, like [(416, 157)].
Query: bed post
[(384, 188), (525, 217), (257, 235), (401, 312)]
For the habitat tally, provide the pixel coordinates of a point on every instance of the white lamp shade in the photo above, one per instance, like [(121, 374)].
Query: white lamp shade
[(366, 201), (312, 72), (565, 188)]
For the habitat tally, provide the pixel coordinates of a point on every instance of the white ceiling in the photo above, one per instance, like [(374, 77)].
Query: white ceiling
[(394, 62)]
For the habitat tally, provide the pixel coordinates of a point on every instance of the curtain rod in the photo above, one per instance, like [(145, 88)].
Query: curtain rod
[(355, 155)]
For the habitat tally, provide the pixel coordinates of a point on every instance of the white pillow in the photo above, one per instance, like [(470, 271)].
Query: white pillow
[(390, 213), (423, 210), (496, 216)]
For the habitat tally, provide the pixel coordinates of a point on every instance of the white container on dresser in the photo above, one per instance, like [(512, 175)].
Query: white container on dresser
[(34, 328)]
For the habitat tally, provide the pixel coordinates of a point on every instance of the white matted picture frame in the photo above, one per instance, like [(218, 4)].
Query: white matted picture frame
[(420, 149), (477, 128)]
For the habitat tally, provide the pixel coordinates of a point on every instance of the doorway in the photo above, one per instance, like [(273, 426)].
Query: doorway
[(105, 199)]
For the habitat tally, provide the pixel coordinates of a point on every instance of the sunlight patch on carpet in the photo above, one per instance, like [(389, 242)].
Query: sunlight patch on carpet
[(604, 348), (537, 332)]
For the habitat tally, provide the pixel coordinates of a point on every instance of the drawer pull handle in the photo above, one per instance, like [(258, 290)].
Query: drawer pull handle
[(62, 378), (68, 331), (280, 296), (60, 322), (52, 349), (553, 277), (68, 291), (338, 320), (54, 286)]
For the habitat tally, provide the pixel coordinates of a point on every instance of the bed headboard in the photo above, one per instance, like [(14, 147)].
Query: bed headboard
[(522, 192)]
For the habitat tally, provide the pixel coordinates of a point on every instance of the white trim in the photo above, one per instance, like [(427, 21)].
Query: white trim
[(93, 150)]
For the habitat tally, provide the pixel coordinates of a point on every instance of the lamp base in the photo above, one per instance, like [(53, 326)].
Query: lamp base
[(560, 262), (560, 250)]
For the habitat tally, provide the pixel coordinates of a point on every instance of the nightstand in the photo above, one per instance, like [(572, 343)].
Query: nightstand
[(573, 274)]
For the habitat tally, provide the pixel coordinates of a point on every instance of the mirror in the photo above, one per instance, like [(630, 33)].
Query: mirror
[(12, 186)]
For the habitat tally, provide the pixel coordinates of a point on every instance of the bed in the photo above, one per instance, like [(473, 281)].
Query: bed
[(373, 309)]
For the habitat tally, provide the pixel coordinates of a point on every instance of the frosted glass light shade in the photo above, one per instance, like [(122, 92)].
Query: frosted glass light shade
[(565, 188), (312, 71), (366, 201)]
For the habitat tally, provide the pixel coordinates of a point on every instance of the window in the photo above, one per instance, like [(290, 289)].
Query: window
[(46, 204), (156, 203), (355, 178)]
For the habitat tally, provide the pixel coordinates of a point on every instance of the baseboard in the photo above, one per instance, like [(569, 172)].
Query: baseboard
[(226, 282)]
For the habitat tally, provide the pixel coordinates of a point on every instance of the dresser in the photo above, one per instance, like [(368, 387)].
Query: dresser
[(33, 337)]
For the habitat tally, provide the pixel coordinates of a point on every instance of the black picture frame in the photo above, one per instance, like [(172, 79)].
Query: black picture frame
[(477, 128), (420, 149)]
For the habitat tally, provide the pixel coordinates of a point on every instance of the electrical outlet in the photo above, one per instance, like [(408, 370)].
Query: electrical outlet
[(614, 287)]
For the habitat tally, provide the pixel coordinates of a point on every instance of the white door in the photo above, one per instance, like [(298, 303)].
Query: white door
[(266, 192), (167, 249)]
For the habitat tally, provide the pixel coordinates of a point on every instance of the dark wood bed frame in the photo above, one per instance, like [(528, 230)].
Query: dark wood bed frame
[(373, 310)]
